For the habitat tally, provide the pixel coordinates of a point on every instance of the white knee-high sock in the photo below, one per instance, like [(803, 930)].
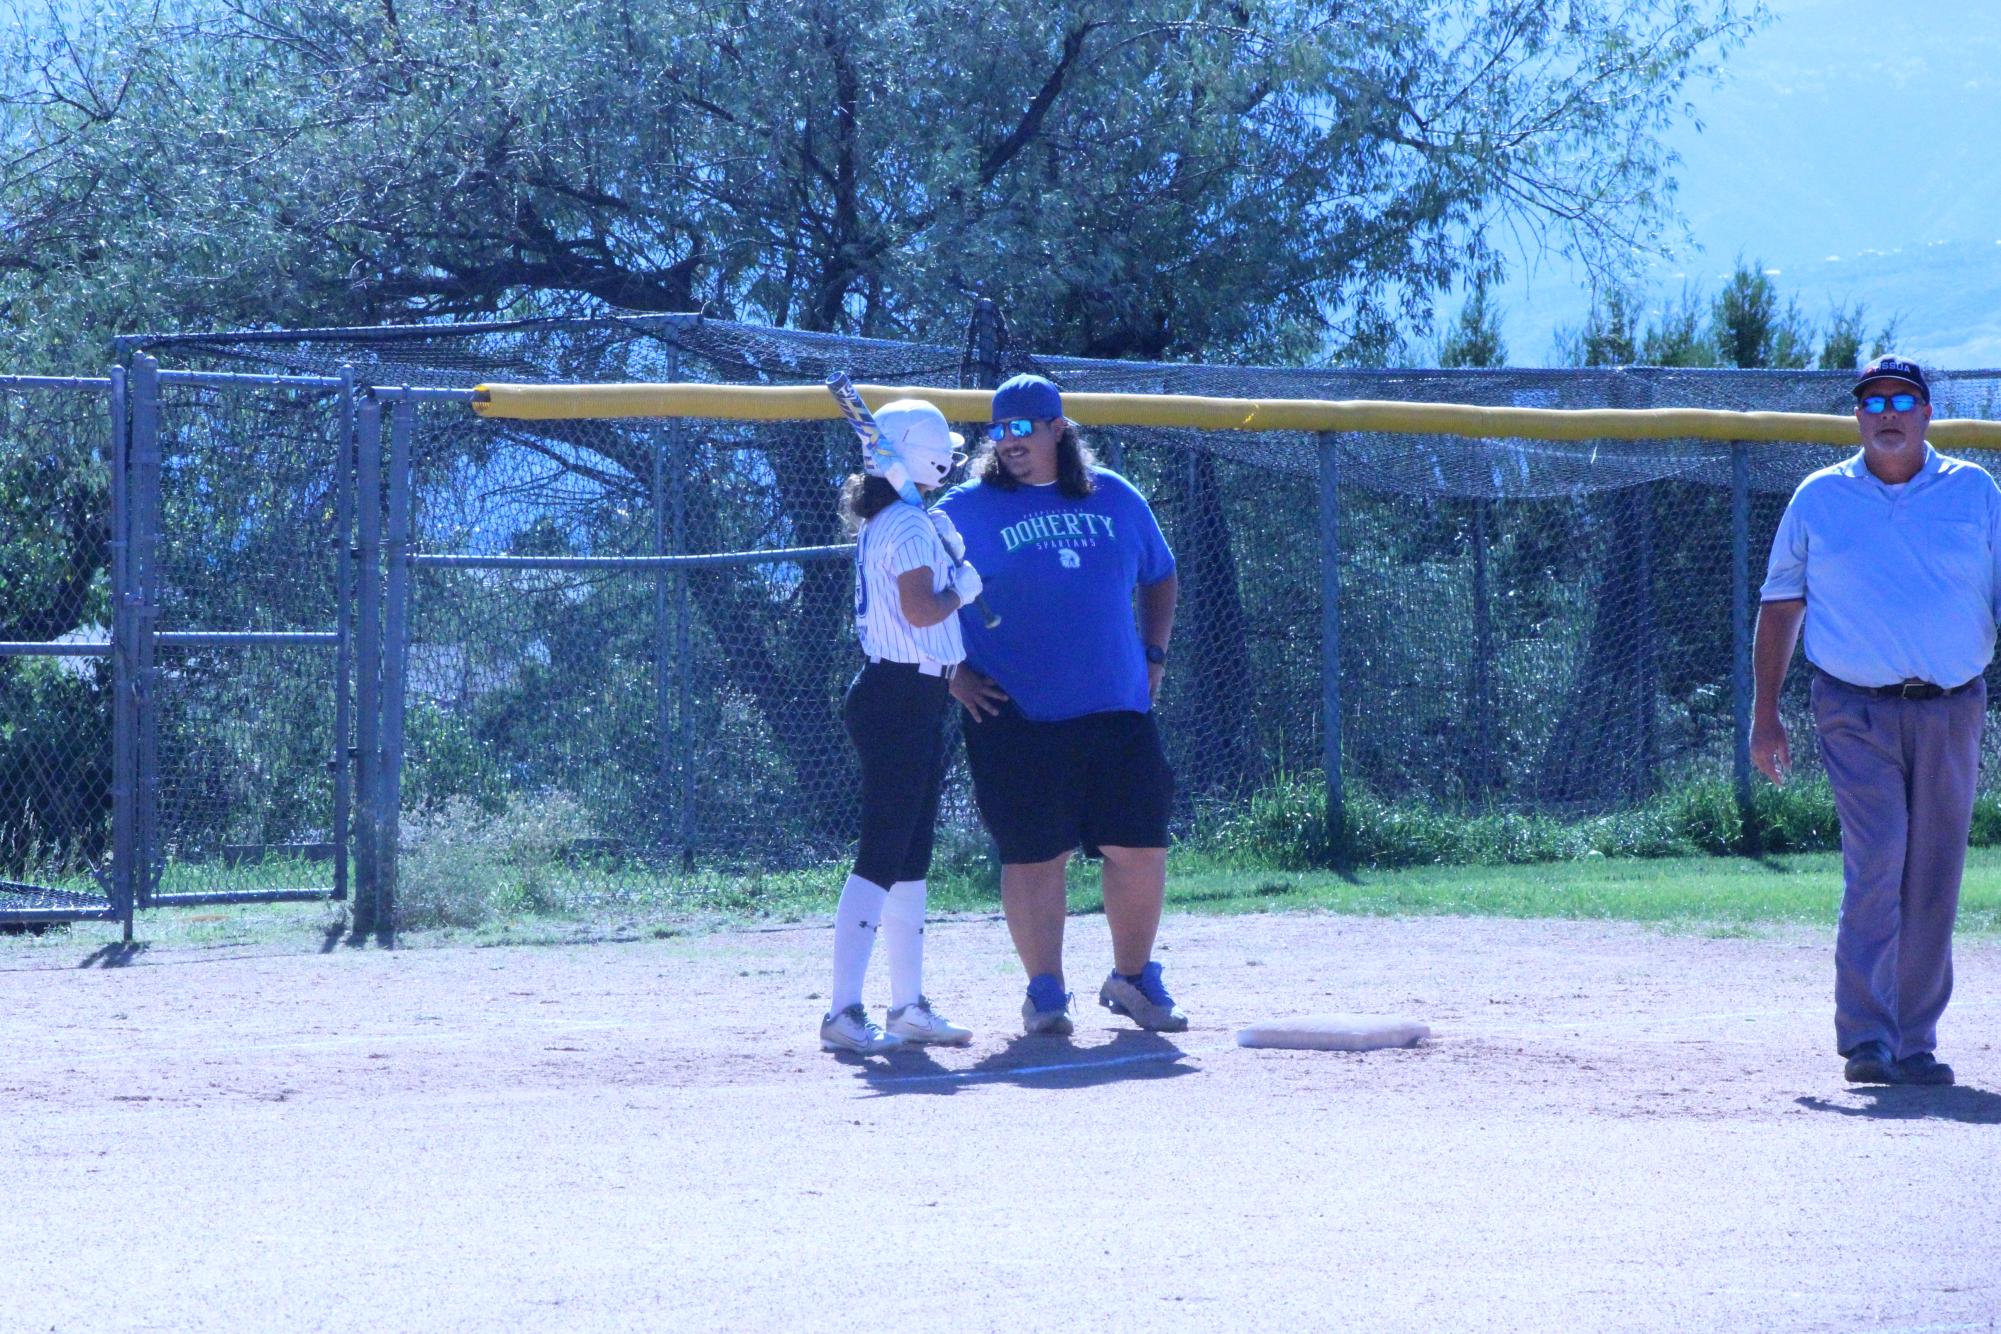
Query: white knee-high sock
[(903, 939), (855, 921)]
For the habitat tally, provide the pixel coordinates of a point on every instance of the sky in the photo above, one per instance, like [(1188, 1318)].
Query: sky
[(1850, 148)]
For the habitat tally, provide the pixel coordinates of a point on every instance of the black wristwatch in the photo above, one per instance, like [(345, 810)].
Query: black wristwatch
[(1156, 655)]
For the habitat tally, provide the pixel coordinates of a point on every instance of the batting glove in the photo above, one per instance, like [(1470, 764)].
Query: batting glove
[(948, 533), (966, 582)]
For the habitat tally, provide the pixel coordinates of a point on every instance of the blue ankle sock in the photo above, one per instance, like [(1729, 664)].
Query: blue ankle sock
[(1046, 992)]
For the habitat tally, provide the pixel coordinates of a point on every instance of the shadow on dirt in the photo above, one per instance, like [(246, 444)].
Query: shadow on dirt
[(1971, 1106), (1032, 1061), (113, 955)]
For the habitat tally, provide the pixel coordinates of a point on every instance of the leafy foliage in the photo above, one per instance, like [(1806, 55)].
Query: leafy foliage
[(1253, 180), (1748, 325), (1284, 827)]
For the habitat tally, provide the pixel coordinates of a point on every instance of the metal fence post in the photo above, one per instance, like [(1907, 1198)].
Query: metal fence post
[(684, 656), (368, 662), (395, 659), (983, 344), (142, 568), (124, 686), (1484, 777), (1330, 646), (1740, 631), (672, 687), (341, 761), (663, 672)]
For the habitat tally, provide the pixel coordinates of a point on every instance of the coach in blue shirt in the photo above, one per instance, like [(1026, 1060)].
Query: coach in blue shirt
[(1060, 731), (1893, 562)]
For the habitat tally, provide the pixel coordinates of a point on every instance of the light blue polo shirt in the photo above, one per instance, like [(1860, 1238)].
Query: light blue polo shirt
[(1900, 582)]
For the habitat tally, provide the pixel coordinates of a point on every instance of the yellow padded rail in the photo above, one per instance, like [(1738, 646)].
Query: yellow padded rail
[(734, 402)]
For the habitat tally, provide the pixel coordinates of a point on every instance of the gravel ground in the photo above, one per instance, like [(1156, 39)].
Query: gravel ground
[(1613, 1128)]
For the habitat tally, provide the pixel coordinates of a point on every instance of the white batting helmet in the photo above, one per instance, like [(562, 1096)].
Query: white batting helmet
[(916, 433)]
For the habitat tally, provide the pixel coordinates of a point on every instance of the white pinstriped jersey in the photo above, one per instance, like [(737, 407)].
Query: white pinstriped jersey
[(897, 539)]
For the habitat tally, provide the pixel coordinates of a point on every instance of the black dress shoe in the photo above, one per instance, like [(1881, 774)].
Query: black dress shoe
[(1923, 1068), (1870, 1063)]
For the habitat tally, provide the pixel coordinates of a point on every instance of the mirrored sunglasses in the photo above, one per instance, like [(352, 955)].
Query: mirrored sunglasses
[(1018, 427), (1874, 404)]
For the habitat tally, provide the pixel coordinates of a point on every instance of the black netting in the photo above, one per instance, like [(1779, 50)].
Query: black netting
[(1523, 624)]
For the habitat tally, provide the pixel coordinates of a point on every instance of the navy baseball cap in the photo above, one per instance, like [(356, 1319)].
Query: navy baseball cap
[(1890, 366), (1028, 396)]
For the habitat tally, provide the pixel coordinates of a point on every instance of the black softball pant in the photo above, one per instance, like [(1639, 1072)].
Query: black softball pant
[(895, 715)]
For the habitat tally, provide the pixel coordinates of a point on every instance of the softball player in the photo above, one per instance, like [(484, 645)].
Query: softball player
[(907, 595)]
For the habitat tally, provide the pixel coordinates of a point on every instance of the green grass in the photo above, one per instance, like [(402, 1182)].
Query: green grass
[(1722, 896), (1793, 889)]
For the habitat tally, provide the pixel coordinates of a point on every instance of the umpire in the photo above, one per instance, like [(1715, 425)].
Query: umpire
[(1890, 561)]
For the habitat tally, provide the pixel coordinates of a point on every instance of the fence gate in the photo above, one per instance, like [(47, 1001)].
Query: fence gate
[(242, 577)]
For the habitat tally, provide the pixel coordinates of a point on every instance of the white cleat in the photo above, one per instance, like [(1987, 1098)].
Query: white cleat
[(918, 1022), (852, 1030)]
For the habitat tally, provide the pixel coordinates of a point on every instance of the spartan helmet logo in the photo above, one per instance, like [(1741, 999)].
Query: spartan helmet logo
[(1069, 559)]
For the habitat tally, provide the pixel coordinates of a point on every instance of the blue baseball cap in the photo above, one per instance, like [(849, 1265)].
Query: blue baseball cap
[(1890, 366), (1028, 396)]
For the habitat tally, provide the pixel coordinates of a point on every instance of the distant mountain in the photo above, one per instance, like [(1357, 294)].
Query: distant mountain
[(1851, 151)]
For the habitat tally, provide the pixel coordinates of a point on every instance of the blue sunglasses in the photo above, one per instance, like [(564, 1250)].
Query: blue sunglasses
[(1018, 427), (1874, 404)]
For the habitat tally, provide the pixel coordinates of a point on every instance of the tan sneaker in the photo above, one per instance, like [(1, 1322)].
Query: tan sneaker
[(1143, 1000), (1055, 1022), (918, 1022)]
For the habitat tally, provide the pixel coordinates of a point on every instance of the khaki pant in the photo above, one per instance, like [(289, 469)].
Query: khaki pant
[(1903, 772)]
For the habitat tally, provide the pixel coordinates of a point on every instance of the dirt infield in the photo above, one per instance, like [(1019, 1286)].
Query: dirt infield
[(1614, 1127)]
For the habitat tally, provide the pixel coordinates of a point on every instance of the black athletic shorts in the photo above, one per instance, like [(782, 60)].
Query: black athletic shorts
[(1045, 788)]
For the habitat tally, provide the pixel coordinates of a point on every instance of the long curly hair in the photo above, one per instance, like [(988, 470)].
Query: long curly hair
[(862, 498)]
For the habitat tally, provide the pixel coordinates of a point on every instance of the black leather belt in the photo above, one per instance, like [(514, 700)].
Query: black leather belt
[(1902, 690), (925, 668)]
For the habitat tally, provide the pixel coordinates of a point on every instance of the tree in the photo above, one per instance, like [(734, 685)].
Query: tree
[(1752, 330), (1682, 336), (1147, 179), (1611, 332), (1841, 350), (1474, 339), (1249, 180), (1747, 325)]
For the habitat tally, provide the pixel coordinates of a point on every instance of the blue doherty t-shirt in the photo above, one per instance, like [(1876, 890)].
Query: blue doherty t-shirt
[(1060, 573)]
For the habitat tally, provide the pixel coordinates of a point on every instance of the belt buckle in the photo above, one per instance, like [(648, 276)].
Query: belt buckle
[(1919, 690)]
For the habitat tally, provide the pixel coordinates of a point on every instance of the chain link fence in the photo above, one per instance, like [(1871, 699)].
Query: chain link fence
[(621, 644), (57, 456), (247, 518)]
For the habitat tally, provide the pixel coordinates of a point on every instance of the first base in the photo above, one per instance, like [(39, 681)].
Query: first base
[(1335, 1032)]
